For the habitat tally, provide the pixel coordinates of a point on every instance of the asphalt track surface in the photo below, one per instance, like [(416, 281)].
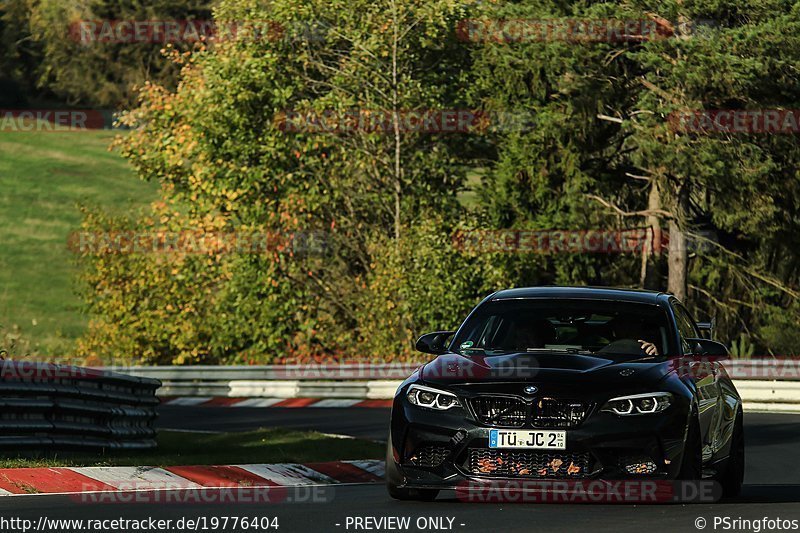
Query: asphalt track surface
[(364, 422), (772, 489)]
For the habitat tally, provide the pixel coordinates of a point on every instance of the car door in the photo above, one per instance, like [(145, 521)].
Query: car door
[(705, 374)]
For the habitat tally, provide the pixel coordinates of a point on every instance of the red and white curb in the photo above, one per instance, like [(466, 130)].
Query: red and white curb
[(28, 481), (219, 401)]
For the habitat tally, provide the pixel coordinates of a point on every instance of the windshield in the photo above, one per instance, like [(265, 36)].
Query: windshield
[(571, 326)]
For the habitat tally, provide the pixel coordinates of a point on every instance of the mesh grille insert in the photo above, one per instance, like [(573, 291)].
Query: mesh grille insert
[(507, 463), (553, 413), (500, 411), (428, 456)]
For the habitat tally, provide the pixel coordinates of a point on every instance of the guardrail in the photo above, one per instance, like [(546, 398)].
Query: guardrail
[(740, 369), (45, 406), (279, 381), (344, 371), (764, 384)]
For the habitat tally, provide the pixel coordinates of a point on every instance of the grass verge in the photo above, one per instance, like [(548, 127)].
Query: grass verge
[(44, 177), (274, 445)]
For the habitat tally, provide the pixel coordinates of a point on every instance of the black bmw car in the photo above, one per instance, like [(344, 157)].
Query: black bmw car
[(567, 383)]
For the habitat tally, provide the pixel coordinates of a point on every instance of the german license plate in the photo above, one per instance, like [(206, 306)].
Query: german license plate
[(523, 438)]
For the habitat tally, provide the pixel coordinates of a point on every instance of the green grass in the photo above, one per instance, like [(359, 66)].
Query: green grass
[(273, 445), (44, 176), (469, 196)]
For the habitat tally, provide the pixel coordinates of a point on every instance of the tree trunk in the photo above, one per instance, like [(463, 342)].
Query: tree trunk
[(650, 275), (678, 254), (398, 172)]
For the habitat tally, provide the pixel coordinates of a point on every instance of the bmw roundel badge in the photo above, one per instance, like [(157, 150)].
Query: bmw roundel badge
[(531, 389)]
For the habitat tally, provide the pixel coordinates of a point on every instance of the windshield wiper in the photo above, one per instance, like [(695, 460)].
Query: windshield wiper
[(575, 351), (497, 351), (486, 351)]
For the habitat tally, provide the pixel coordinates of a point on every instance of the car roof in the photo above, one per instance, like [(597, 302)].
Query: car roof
[(588, 293)]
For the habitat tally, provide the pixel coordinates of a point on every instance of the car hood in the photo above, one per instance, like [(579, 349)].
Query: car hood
[(452, 368)]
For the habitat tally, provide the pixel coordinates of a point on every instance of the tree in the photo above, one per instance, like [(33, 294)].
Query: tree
[(605, 151), (45, 38), (232, 153)]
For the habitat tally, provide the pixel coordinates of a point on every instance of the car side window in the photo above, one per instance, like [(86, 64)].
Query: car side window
[(686, 327)]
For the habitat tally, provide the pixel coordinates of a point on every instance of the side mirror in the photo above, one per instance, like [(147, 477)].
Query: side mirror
[(434, 343), (708, 348)]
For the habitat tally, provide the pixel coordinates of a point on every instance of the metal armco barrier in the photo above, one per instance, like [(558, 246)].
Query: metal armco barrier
[(741, 369), (344, 371), (46, 406), (765, 384), (278, 381)]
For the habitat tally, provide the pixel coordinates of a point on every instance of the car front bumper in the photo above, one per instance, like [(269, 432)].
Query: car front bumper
[(438, 449)]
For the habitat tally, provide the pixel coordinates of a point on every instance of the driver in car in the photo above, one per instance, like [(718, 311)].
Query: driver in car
[(626, 329)]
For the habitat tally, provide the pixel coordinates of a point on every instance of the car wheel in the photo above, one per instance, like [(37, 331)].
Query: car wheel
[(692, 460), (426, 495), (733, 476)]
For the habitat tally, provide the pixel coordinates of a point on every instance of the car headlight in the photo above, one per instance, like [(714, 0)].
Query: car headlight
[(423, 396), (638, 404)]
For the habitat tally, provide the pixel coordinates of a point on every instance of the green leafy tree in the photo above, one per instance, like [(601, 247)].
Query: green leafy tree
[(604, 151), (220, 148), (43, 41)]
